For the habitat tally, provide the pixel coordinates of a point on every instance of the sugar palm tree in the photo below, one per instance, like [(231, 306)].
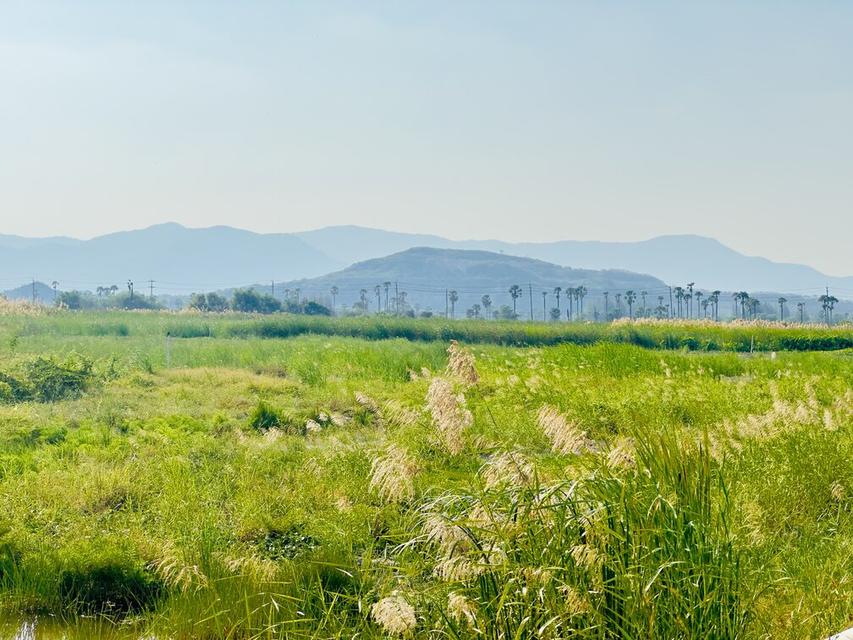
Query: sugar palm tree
[(618, 297), (606, 295), (515, 293), (745, 304), (130, 288), (557, 292), (782, 302), (630, 296), (544, 306), (55, 286), (689, 297), (705, 304), (365, 303), (387, 286), (679, 298), (715, 300), (454, 298), (580, 292), (334, 291), (643, 295), (570, 296), (698, 295), (801, 307), (487, 304)]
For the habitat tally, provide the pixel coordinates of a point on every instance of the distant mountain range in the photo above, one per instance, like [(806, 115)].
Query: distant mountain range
[(426, 275), (676, 259), (181, 260)]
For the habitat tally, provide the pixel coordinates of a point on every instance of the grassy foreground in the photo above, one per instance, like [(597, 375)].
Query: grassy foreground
[(323, 486)]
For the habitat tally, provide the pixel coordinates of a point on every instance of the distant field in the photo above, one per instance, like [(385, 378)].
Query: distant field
[(338, 478), (690, 335)]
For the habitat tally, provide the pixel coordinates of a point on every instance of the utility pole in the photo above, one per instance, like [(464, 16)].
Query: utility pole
[(544, 305), (446, 304), (151, 290), (530, 295)]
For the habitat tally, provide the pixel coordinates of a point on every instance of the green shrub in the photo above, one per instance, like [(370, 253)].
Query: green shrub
[(108, 588), (264, 417), (51, 380)]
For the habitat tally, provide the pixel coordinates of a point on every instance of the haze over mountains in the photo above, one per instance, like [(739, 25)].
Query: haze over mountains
[(425, 274), (181, 260)]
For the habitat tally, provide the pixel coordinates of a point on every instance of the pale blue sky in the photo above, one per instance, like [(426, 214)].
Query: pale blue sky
[(524, 120)]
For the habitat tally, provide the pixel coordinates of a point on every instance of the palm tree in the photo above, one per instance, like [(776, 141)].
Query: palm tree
[(679, 298), (387, 286), (801, 307), (745, 305), (606, 304), (100, 291), (827, 303), (130, 288), (544, 306), (362, 294), (630, 296), (515, 293), (698, 295), (377, 291), (715, 300), (487, 303), (618, 297), (580, 292), (687, 304), (570, 296), (689, 297), (782, 302), (55, 285), (557, 292), (643, 295), (334, 291), (113, 289), (297, 291), (705, 303), (735, 297), (454, 298)]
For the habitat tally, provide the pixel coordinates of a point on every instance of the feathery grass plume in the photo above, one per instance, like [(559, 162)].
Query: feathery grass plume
[(398, 413), (576, 604), (449, 415), (461, 609), (621, 455), (339, 419), (392, 475), (260, 569), (510, 468), (565, 436), (367, 403), (585, 556), (458, 569), (449, 537), (837, 491), (312, 426), (394, 615), (460, 364), (171, 568), (21, 308)]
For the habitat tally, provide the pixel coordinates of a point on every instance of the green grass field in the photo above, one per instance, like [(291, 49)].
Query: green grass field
[(330, 478)]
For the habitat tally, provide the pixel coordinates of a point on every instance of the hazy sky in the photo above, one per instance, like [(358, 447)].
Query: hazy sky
[(523, 120)]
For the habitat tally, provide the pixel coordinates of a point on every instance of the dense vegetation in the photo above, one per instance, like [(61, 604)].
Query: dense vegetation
[(323, 486)]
